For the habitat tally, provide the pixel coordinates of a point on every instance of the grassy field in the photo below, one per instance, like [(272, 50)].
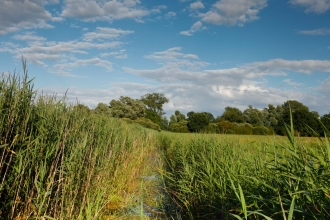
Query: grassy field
[(61, 161), (247, 177)]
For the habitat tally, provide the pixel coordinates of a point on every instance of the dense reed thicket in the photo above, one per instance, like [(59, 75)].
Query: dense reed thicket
[(59, 161), (223, 177)]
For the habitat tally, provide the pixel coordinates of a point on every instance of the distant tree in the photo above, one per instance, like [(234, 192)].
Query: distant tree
[(209, 116), (102, 108), (82, 107), (197, 121), (325, 119), (303, 119), (254, 116), (155, 102), (177, 117), (127, 107), (233, 115), (181, 127)]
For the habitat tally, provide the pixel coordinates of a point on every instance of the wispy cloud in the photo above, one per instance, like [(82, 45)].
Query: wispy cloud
[(195, 27), (315, 6), (320, 31)]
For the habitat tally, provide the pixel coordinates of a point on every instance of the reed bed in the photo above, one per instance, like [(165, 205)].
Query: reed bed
[(60, 161), (246, 177)]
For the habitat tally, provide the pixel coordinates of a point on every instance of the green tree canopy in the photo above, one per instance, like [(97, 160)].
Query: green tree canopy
[(197, 121), (233, 115), (155, 102), (177, 117), (303, 119), (127, 107), (102, 108)]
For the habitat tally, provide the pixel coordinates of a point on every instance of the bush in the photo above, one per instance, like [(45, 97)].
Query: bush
[(145, 122)]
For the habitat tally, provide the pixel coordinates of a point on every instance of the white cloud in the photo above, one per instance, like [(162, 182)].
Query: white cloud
[(17, 14), (320, 31), (169, 15), (291, 83), (316, 6), (28, 36), (188, 83), (196, 5), (121, 54), (103, 10), (232, 12), (105, 33), (195, 27), (77, 63)]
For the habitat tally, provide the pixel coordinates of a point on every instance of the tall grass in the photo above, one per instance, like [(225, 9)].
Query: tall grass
[(208, 177), (59, 161)]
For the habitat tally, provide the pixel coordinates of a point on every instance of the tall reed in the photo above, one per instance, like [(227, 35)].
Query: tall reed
[(208, 177), (60, 161)]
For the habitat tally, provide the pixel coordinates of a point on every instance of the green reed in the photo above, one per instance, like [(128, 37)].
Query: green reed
[(222, 177), (59, 161)]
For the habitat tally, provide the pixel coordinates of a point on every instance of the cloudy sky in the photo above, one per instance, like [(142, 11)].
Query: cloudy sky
[(203, 55)]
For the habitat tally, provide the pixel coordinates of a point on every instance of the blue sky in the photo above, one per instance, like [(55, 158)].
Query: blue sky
[(203, 55)]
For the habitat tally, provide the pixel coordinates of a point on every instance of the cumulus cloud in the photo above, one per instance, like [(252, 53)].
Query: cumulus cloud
[(315, 6), (17, 14), (103, 10), (169, 15), (191, 85), (232, 12), (195, 27), (320, 31), (196, 5)]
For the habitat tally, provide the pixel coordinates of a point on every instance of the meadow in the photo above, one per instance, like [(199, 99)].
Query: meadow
[(63, 161)]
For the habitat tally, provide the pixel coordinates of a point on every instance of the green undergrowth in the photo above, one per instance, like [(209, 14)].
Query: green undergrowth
[(59, 161), (244, 177)]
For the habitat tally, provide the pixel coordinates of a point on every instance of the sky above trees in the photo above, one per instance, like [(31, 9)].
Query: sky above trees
[(202, 55)]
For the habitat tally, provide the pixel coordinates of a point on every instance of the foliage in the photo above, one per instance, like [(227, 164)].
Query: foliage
[(197, 121), (233, 115), (302, 117), (154, 102), (103, 108), (145, 122), (181, 126), (127, 107)]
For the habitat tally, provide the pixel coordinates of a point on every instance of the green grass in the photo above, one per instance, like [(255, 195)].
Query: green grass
[(247, 177)]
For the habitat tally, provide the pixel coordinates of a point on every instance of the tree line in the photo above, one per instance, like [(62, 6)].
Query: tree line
[(148, 111)]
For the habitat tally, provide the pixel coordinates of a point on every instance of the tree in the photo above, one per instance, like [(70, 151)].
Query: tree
[(102, 108), (233, 115), (177, 117), (254, 116), (155, 102), (325, 119), (127, 107), (303, 119), (197, 121)]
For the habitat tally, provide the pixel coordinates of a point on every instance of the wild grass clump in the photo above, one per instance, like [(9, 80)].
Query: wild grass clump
[(59, 161), (208, 177)]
